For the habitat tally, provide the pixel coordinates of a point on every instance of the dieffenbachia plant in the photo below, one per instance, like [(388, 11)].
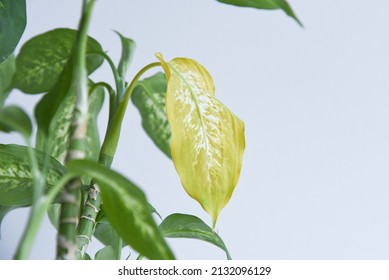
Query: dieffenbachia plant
[(68, 174)]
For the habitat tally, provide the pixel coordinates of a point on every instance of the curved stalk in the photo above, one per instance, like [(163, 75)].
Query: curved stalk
[(36, 216), (92, 205), (111, 94), (109, 146), (118, 80)]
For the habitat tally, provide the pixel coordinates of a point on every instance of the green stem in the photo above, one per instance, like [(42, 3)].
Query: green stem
[(26, 241), (70, 198), (37, 214), (92, 205), (110, 143), (111, 93), (118, 244), (118, 80)]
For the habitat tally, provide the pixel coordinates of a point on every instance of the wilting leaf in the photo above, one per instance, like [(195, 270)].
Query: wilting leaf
[(43, 58), (265, 4), (188, 226), (126, 208), (12, 25), (13, 118), (207, 138), (149, 97), (16, 181), (7, 69), (107, 253)]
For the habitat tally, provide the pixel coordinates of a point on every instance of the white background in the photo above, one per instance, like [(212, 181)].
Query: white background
[(315, 102)]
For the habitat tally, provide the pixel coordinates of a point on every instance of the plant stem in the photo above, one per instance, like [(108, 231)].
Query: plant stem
[(111, 94), (92, 205), (109, 146), (37, 213), (66, 241), (118, 80), (26, 241)]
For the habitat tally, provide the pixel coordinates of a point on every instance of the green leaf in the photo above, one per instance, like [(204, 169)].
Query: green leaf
[(43, 58), (107, 253), (12, 25), (56, 142), (53, 212), (149, 97), (16, 181), (208, 140), (128, 47), (95, 103), (7, 70), (127, 209), (105, 233), (13, 118), (265, 4), (4, 210), (188, 226)]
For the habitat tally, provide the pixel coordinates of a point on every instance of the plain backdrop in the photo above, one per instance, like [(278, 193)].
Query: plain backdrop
[(315, 102)]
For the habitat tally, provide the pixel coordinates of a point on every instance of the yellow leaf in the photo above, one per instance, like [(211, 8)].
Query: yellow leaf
[(207, 138)]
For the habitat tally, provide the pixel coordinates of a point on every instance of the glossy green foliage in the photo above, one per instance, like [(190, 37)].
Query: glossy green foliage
[(265, 4), (188, 226), (7, 69), (127, 209), (149, 97), (12, 25), (12, 118), (43, 58), (16, 180)]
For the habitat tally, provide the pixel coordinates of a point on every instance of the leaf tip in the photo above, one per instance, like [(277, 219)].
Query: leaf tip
[(164, 65)]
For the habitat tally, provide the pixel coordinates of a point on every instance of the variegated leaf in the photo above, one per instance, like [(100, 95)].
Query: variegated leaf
[(42, 59), (149, 97), (57, 140), (16, 180), (56, 143), (207, 138), (95, 100)]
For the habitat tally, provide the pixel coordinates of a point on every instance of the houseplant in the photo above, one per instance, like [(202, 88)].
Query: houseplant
[(62, 115)]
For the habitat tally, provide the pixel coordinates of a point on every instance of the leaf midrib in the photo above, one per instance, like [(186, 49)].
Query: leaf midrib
[(193, 95)]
